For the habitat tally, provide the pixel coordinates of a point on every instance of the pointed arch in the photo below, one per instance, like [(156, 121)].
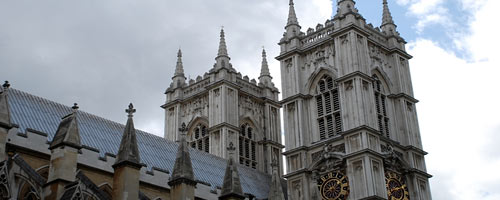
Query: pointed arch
[(384, 79), (247, 142), (316, 76), (381, 90), (26, 189), (198, 135), (43, 171)]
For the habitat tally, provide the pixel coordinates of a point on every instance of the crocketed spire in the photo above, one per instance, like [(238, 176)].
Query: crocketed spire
[(179, 68), (387, 17), (264, 70), (231, 188), (67, 133), (292, 17), (222, 45), (275, 190), (183, 168), (129, 151)]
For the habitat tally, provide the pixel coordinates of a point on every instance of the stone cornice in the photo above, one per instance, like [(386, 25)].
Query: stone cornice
[(218, 126), (420, 172), (222, 82), (297, 96), (403, 95), (279, 145), (300, 171), (353, 74)]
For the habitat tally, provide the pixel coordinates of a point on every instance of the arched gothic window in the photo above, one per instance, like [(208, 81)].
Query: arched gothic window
[(381, 107), (200, 139), (247, 146), (27, 192), (328, 107)]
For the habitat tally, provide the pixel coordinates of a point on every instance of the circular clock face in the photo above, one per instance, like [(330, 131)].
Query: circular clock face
[(334, 186), (396, 187)]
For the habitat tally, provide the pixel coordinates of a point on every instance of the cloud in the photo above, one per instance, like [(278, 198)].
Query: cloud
[(457, 113), (105, 54), (428, 12)]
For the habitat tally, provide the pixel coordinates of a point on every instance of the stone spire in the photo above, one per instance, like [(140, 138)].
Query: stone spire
[(129, 151), (67, 133), (387, 17), (4, 105), (178, 80), (388, 26), (264, 70), (275, 190), (222, 59), (231, 188), (292, 17), (179, 69), (183, 169)]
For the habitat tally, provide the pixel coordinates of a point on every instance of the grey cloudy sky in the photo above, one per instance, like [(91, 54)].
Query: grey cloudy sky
[(104, 54)]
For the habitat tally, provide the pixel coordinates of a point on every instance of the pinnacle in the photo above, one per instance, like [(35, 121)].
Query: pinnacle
[(292, 17), (222, 45), (183, 169), (265, 68), (129, 151), (387, 17), (179, 68)]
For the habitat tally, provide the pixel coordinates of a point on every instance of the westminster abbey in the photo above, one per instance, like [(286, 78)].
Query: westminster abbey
[(350, 128)]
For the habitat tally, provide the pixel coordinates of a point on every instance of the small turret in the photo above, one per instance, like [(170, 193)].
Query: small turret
[(5, 123), (4, 105), (182, 182), (64, 153), (127, 164), (345, 7), (231, 188)]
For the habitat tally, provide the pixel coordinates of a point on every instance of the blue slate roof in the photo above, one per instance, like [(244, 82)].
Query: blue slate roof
[(30, 111)]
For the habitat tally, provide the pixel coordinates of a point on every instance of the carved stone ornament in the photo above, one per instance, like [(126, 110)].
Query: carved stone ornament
[(393, 160), (329, 159)]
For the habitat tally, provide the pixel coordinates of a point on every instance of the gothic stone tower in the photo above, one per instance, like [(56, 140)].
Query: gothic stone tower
[(222, 107), (350, 121)]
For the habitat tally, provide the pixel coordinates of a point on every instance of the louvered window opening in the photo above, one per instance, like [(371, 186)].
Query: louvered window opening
[(247, 146), (328, 108), (200, 139), (381, 107)]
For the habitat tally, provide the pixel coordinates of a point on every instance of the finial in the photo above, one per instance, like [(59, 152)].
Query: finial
[(130, 110), (75, 107), (6, 85), (179, 53), (291, 3)]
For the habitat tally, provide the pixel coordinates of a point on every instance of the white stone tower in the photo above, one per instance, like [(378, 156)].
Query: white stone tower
[(222, 107), (349, 113)]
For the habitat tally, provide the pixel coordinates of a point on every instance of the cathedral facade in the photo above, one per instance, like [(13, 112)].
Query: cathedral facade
[(349, 113), (350, 127)]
